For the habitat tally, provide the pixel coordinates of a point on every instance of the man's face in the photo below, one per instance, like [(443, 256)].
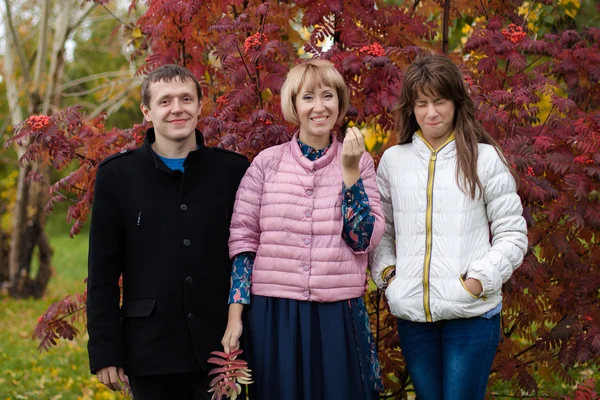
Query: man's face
[(174, 109)]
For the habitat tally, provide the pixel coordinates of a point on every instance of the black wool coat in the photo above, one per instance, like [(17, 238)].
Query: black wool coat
[(166, 233)]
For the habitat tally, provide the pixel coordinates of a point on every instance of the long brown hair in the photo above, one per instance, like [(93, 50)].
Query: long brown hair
[(436, 74)]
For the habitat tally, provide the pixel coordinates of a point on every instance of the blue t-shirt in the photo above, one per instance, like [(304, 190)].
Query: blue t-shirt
[(174, 163)]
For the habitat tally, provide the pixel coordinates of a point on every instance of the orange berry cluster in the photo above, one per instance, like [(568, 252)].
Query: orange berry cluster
[(221, 101), (254, 42), (38, 121), (514, 33), (374, 50)]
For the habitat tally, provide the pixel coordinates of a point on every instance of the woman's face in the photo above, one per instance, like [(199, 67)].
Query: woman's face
[(318, 111), (435, 116)]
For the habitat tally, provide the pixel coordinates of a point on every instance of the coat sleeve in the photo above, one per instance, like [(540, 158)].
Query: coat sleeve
[(105, 263), (507, 226), (384, 254), (244, 232), (369, 179)]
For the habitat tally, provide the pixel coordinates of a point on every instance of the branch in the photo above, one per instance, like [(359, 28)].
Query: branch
[(132, 27), (113, 103), (89, 78), (17, 43), (81, 18), (445, 26), (505, 72), (528, 12), (57, 63), (95, 88), (546, 120), (244, 62), (529, 65), (210, 11), (40, 63), (519, 354), (414, 8), (484, 10)]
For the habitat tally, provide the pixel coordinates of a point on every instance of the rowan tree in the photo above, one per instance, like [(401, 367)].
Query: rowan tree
[(537, 93)]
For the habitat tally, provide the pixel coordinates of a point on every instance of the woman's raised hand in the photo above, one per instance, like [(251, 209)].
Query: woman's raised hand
[(352, 150)]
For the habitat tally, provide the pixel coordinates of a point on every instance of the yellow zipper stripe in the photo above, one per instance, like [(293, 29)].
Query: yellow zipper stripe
[(428, 225), (428, 221)]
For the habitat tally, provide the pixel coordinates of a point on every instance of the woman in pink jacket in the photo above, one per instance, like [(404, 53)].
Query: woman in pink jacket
[(306, 214)]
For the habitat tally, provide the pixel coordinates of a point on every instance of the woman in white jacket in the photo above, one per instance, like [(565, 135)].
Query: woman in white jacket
[(454, 234)]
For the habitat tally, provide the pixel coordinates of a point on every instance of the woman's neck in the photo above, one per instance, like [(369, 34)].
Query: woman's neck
[(316, 142)]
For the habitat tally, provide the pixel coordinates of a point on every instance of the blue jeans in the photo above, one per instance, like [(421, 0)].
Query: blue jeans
[(450, 360)]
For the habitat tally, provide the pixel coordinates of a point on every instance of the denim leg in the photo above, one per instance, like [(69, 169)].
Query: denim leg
[(421, 345), (469, 349)]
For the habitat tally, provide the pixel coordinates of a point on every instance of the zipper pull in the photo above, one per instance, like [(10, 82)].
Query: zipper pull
[(139, 218)]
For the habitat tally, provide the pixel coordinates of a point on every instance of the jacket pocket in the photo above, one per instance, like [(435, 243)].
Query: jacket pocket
[(462, 282), (138, 308)]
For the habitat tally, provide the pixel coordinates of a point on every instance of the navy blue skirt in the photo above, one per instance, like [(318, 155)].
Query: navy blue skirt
[(300, 350)]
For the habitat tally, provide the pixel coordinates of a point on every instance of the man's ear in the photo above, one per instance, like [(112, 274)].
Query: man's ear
[(146, 112)]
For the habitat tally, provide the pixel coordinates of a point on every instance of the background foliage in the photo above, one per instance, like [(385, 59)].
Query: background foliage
[(533, 69)]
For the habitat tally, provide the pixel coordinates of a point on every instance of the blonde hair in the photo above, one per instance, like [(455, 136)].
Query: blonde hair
[(308, 75)]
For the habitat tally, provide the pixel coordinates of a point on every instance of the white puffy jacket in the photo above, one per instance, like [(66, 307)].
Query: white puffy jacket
[(437, 236)]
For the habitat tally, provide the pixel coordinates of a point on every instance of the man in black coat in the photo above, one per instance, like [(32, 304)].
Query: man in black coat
[(160, 219)]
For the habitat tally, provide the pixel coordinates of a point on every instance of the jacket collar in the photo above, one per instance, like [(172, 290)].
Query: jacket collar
[(424, 149), (159, 164), (318, 163)]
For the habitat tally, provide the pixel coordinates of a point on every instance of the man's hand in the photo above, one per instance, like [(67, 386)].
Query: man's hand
[(110, 377), (231, 338), (352, 150)]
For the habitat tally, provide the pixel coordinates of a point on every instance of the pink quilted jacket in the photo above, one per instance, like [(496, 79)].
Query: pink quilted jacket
[(288, 211)]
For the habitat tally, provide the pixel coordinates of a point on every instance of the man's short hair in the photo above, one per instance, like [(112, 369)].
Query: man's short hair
[(167, 73), (307, 76)]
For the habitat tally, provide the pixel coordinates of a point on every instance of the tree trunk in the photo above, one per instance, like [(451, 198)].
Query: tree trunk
[(3, 257), (27, 229), (25, 285)]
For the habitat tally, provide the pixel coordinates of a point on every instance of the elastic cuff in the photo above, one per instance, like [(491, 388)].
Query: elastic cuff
[(485, 284)]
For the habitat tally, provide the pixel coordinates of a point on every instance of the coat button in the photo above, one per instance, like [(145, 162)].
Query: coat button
[(187, 242), (183, 207), (188, 280), (311, 173), (308, 214), (191, 316), (306, 241), (306, 267), (306, 293), (309, 192)]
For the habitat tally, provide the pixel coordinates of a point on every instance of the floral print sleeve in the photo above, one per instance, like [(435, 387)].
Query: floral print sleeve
[(358, 218), (241, 272)]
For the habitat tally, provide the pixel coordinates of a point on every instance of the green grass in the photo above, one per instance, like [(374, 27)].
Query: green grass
[(62, 373)]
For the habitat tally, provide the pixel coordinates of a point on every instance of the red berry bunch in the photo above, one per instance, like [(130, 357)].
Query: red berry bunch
[(374, 50), (514, 33), (254, 42), (38, 121), (529, 171), (222, 101)]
